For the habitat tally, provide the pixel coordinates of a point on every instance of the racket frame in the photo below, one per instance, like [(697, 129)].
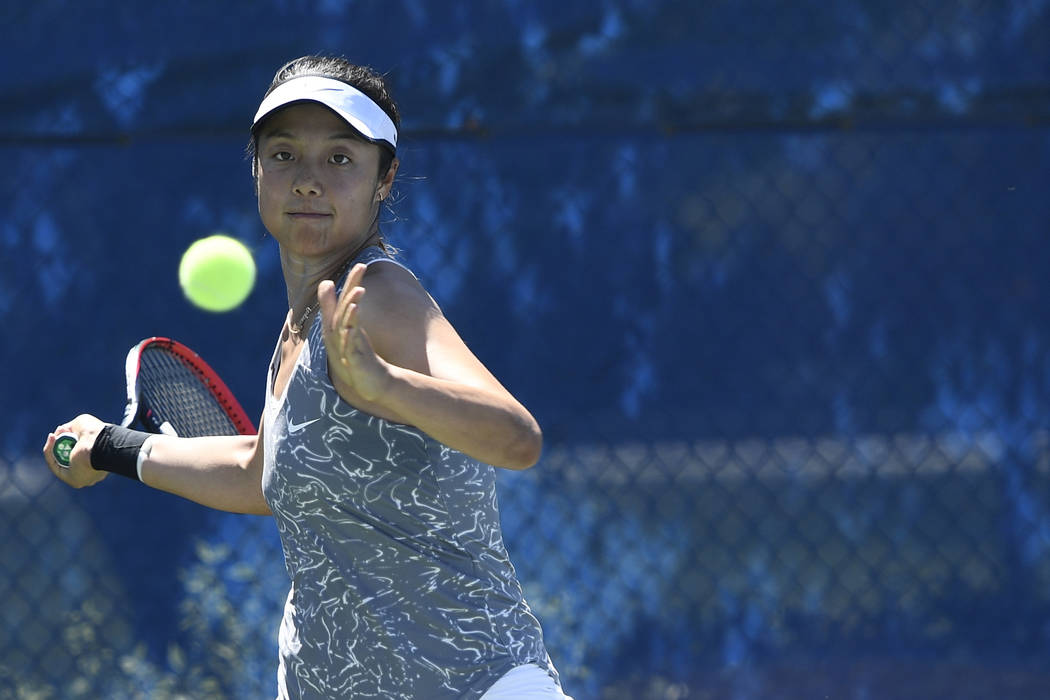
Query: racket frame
[(134, 408)]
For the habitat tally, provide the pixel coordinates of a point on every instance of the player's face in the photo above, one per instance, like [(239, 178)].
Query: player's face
[(317, 181)]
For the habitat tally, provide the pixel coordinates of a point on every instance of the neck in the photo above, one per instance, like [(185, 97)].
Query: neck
[(303, 275)]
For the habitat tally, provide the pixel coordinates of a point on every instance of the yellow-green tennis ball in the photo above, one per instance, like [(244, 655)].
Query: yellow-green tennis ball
[(217, 273)]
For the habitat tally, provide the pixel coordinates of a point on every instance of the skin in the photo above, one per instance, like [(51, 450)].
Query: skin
[(392, 352)]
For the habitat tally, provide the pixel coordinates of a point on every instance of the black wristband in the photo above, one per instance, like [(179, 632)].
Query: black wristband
[(116, 450)]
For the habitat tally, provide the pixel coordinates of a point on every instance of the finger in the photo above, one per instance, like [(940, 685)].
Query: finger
[(49, 456), (327, 300), (346, 329), (49, 444), (352, 296), (357, 273), (347, 299), (351, 309)]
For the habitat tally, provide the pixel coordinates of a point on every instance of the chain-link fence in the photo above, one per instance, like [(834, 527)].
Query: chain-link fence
[(772, 280)]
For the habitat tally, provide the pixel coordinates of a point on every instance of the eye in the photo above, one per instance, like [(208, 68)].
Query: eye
[(341, 159), (282, 156)]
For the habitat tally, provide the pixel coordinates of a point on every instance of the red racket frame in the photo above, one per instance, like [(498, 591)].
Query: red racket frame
[(202, 369)]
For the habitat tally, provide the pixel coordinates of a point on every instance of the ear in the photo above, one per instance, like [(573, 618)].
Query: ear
[(387, 182)]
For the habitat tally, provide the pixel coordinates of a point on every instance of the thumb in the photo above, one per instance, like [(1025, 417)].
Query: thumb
[(327, 299)]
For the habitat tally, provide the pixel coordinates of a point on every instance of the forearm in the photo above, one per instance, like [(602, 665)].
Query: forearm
[(488, 425), (218, 472)]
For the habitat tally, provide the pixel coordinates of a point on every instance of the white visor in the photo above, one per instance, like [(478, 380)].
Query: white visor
[(357, 108)]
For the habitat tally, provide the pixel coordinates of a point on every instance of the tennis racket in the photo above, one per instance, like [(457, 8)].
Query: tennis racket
[(171, 390)]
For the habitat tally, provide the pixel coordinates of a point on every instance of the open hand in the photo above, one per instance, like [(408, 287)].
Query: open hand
[(352, 362)]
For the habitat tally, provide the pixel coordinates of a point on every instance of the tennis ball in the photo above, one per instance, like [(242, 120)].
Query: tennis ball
[(217, 273)]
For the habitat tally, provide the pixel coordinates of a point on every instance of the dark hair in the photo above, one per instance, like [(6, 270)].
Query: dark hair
[(363, 78)]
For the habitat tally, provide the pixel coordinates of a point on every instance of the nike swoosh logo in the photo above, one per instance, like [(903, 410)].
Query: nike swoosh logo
[(296, 427)]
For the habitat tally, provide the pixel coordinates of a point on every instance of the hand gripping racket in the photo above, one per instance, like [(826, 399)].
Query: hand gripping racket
[(171, 390)]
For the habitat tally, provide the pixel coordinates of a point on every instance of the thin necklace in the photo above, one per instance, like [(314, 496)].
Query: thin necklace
[(296, 329)]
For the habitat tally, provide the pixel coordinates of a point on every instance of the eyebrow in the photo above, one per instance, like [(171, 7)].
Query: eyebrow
[(338, 136)]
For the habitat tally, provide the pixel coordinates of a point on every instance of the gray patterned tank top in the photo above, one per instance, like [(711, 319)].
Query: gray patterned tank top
[(400, 583)]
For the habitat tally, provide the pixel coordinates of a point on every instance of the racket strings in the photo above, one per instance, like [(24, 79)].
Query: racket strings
[(177, 393)]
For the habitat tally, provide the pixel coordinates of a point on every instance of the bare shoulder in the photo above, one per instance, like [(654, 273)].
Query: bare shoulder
[(400, 317), (390, 288), (408, 329)]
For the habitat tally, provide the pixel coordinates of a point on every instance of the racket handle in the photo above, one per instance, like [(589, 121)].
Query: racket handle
[(62, 448)]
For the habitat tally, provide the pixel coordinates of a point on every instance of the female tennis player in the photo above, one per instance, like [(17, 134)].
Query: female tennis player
[(376, 447)]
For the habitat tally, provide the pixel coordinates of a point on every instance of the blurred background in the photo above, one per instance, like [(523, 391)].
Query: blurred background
[(772, 277)]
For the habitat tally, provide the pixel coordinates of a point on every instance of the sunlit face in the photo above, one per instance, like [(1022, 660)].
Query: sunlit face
[(317, 181)]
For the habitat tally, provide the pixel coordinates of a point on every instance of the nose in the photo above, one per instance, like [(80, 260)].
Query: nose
[(306, 182)]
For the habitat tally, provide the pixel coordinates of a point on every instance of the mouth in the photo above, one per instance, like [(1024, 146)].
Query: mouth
[(308, 214)]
